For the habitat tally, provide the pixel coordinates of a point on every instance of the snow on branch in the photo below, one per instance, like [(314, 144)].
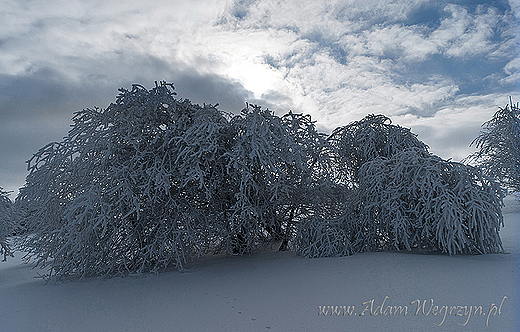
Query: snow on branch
[(362, 141), (498, 147), (275, 165), (6, 214)]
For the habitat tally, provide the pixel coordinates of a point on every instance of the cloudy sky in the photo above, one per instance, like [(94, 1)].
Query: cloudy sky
[(441, 68)]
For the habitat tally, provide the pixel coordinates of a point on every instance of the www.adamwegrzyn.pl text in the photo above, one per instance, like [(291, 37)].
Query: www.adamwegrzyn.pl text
[(415, 308)]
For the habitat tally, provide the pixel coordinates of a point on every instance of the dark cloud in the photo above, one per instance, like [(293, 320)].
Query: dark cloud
[(240, 8), (46, 92), (19, 140), (277, 101), (475, 75), (36, 107), (212, 89), (429, 14)]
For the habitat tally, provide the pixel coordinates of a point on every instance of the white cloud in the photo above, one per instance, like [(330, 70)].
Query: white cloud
[(475, 39), (397, 40), (450, 131), (54, 31), (512, 69)]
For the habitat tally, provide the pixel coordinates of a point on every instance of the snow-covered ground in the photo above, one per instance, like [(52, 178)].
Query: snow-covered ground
[(279, 291)]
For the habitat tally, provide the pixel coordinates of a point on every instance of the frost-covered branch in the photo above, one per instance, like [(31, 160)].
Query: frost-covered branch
[(499, 147), (362, 141), (276, 165), (6, 214)]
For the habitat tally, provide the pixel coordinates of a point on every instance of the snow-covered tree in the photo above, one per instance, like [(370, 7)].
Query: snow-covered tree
[(276, 166), (6, 212), (125, 191), (394, 194), (499, 147), (153, 181), (418, 200), (350, 147)]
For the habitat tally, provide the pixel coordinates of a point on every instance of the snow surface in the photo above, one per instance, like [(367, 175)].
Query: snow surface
[(277, 291)]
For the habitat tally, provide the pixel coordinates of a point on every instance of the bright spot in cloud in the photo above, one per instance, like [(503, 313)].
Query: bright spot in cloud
[(257, 78)]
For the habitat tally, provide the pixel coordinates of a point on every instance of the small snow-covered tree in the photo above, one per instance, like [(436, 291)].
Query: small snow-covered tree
[(499, 147), (6, 212), (394, 194), (418, 200)]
